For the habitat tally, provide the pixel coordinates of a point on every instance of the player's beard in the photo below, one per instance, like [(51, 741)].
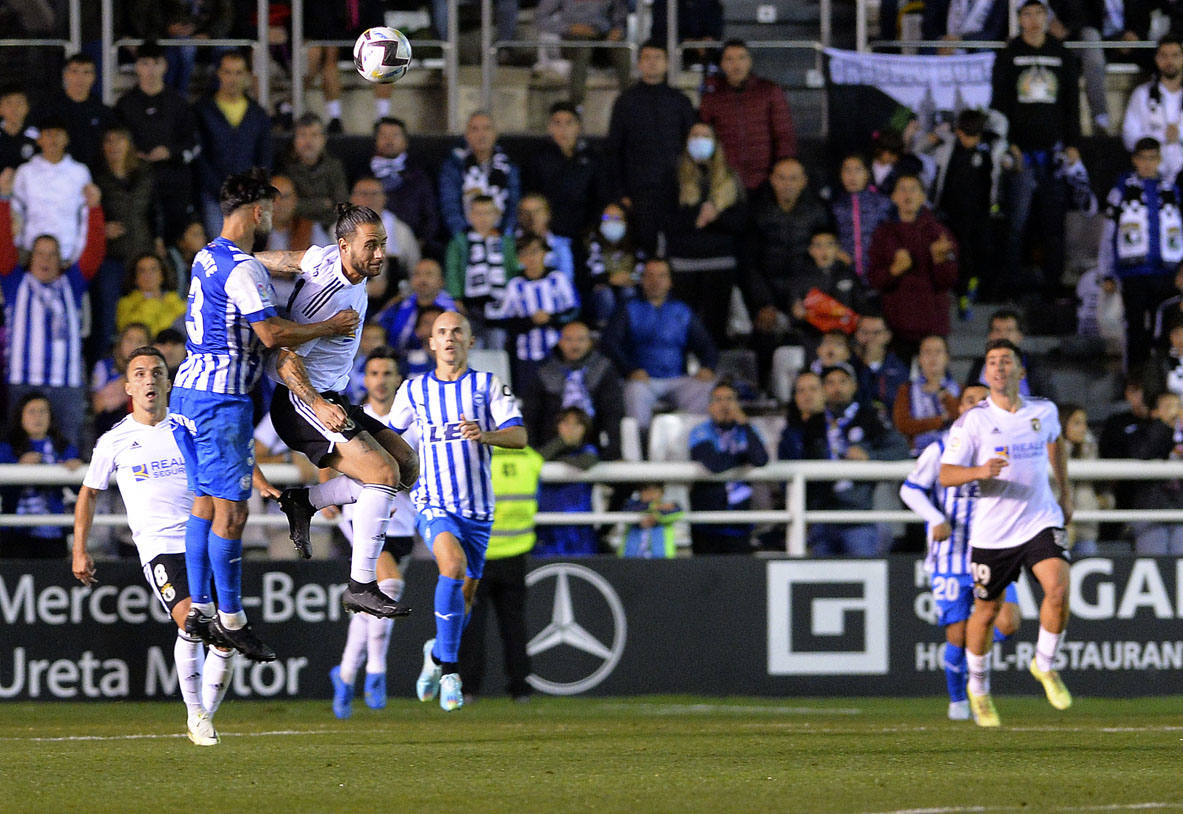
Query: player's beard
[(260, 241)]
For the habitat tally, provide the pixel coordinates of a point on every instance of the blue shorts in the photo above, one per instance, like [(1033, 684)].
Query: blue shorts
[(216, 437), (954, 596), (473, 535)]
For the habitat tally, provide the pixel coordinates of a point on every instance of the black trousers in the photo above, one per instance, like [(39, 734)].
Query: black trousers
[(503, 586)]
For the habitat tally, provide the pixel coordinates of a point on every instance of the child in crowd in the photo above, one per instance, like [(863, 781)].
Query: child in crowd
[(571, 446), (480, 262), (35, 440), (1165, 369), (1082, 535), (826, 292), (151, 297), (534, 219), (928, 403), (652, 537), (108, 398), (857, 209), (537, 304), (833, 349), (612, 264)]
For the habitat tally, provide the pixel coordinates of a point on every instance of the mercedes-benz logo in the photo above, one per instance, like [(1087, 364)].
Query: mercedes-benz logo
[(564, 630)]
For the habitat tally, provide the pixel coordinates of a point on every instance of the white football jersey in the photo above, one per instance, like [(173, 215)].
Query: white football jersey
[(322, 290), (1018, 504), (454, 474), (150, 471)]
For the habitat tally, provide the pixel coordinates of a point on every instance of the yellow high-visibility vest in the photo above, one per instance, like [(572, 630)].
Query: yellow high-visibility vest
[(515, 490)]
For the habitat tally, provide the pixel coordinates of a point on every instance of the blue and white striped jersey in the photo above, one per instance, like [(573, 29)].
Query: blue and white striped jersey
[(553, 294), (454, 474), (228, 290), (923, 493), (322, 290), (44, 328)]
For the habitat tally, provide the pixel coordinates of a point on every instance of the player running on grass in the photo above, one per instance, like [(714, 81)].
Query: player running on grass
[(1006, 445), (947, 513), (311, 414), (142, 454), (459, 413)]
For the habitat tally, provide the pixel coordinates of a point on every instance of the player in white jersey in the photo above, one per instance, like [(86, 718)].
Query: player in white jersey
[(947, 513), (311, 413), (1006, 444), (230, 318), (368, 639), (142, 454), (459, 413)]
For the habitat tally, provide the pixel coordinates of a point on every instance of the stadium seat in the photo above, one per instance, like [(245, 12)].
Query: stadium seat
[(494, 361), (787, 362), (669, 434), (630, 440), (769, 427)]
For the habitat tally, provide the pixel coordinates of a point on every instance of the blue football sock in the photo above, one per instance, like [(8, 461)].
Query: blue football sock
[(955, 671), (197, 558), (999, 636), (226, 558), (449, 618)]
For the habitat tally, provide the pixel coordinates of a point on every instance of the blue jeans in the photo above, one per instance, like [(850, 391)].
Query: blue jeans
[(826, 540)]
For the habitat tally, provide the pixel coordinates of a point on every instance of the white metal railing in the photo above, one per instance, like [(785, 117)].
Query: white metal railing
[(795, 475)]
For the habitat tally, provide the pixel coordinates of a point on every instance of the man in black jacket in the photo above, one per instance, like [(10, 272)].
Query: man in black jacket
[(1035, 85), (1160, 438), (569, 173), (852, 432), (646, 135), (576, 375)]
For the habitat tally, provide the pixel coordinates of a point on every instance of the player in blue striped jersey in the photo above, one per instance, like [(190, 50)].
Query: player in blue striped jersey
[(459, 413), (947, 513), (312, 414), (231, 317)]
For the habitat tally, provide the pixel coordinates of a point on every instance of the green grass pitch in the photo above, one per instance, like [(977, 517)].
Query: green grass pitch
[(658, 753)]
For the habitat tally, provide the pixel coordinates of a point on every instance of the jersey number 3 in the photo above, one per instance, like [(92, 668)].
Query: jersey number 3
[(193, 320)]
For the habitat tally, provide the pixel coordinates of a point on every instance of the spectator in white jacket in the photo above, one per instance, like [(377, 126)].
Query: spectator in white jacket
[(47, 195), (1156, 107)]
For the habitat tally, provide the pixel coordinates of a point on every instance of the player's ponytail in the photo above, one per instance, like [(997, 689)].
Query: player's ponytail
[(349, 217)]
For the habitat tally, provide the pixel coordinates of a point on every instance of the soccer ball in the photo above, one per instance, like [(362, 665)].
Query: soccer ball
[(382, 54)]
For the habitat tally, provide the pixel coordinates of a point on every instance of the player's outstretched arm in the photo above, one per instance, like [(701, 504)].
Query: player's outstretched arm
[(508, 437), (282, 263), (83, 565), (277, 332), (954, 475), (291, 370), (1058, 455)]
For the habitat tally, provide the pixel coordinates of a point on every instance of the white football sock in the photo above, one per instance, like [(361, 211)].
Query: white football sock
[(189, 654), (378, 642), (215, 678), (204, 608), (333, 108), (233, 621), (979, 672), (370, 517), (355, 647), (338, 491), (1046, 647)]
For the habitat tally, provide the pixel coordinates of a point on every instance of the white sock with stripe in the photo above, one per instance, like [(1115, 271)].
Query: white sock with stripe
[(979, 672), (370, 517), (189, 653), (1045, 648), (378, 641), (215, 678)]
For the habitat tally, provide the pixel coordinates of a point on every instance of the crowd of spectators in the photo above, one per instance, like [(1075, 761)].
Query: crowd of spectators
[(626, 279)]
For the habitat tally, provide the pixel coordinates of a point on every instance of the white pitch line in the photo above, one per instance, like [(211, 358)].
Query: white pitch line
[(676, 709), (162, 736), (978, 809)]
